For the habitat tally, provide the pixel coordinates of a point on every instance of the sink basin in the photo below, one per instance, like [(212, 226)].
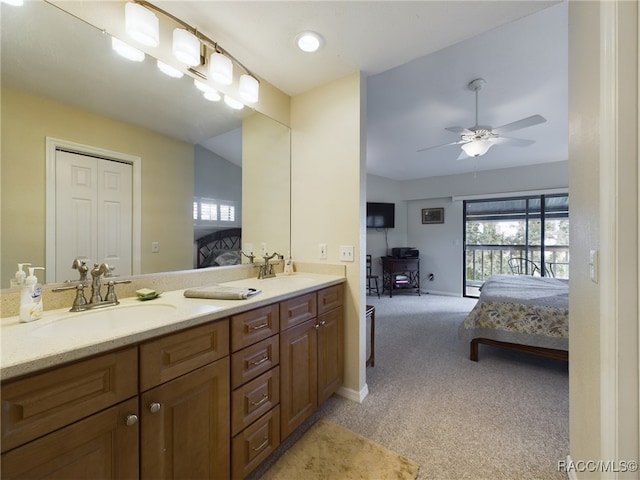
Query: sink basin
[(106, 320)]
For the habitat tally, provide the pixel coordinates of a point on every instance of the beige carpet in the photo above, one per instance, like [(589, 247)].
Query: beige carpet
[(329, 451)]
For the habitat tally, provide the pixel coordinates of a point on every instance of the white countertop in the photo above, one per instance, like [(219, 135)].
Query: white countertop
[(28, 347)]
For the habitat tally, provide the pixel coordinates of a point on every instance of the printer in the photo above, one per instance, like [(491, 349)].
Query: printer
[(405, 252)]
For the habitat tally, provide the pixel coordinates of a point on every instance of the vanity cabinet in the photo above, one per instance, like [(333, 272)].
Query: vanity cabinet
[(211, 401), (311, 365)]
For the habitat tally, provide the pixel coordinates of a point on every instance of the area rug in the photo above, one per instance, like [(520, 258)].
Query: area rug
[(329, 451)]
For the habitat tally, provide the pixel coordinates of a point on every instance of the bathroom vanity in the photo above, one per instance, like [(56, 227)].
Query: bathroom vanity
[(207, 391)]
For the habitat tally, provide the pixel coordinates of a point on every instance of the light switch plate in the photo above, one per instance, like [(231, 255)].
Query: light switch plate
[(322, 251), (346, 253)]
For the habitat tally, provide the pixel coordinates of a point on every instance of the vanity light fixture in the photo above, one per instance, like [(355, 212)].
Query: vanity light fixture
[(127, 51), (309, 41), (233, 103), (15, 3), (190, 47), (220, 69), (169, 70), (186, 47), (476, 148), (141, 24)]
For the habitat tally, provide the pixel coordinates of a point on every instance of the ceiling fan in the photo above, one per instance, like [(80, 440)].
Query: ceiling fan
[(477, 140)]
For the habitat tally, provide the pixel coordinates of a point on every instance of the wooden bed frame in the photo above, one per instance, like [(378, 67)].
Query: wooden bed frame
[(228, 239), (544, 352)]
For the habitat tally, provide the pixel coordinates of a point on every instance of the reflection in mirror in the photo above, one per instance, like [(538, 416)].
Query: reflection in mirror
[(62, 81)]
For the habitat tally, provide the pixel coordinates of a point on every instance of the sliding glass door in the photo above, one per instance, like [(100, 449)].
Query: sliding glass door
[(519, 235)]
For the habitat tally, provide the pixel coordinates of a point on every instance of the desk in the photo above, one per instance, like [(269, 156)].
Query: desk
[(406, 267)]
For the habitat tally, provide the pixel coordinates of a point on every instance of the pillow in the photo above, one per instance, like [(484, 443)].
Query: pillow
[(231, 257)]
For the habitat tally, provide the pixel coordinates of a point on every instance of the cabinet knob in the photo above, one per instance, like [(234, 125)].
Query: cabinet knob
[(131, 419), (154, 407)]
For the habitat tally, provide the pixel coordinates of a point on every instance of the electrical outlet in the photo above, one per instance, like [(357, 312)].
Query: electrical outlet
[(155, 247), (323, 251), (248, 248), (346, 253), (593, 265), (263, 249)]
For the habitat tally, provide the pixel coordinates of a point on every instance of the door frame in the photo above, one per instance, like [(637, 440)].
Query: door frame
[(53, 144)]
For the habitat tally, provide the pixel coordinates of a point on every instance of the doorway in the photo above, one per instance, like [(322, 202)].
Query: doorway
[(93, 209)]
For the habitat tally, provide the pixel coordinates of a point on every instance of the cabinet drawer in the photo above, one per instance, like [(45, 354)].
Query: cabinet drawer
[(176, 354), (297, 310), (251, 327), (330, 298), (255, 444), (252, 361), (39, 404), (254, 399)]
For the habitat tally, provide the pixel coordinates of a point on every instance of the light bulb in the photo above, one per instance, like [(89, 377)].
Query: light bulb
[(220, 69), (233, 103), (186, 47), (169, 70), (127, 51), (476, 148), (212, 96), (141, 24), (309, 41), (249, 88)]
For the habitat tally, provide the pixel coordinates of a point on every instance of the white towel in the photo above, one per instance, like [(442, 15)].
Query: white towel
[(221, 292)]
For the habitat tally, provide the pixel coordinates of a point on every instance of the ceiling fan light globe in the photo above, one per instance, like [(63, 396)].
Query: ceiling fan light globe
[(476, 148)]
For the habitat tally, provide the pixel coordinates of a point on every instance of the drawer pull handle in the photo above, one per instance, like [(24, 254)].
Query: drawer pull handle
[(154, 407), (258, 327), (262, 360), (316, 326), (261, 446), (131, 420), (264, 398)]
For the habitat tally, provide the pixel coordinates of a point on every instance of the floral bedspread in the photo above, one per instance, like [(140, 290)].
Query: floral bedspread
[(521, 309)]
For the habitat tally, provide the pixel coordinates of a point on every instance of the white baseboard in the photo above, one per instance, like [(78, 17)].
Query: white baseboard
[(437, 292), (354, 395)]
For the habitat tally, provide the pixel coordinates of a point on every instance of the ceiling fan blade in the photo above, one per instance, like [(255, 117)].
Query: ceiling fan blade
[(524, 123), (463, 155), (513, 142), (443, 145), (459, 130)]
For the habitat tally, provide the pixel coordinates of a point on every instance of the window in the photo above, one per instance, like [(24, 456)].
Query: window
[(212, 212), (504, 234)]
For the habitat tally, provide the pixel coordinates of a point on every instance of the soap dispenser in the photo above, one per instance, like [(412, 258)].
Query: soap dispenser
[(31, 297), (20, 275), (288, 265)]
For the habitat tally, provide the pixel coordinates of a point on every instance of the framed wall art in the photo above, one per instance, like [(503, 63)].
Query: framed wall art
[(433, 215)]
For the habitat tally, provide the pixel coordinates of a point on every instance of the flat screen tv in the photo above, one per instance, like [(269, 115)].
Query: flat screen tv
[(381, 215)]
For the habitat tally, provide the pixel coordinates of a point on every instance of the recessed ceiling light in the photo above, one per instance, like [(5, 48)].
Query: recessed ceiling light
[(309, 41)]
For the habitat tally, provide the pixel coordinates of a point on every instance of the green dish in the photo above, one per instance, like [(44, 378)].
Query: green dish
[(149, 296)]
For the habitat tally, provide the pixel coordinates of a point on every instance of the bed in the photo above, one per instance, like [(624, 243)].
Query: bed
[(219, 248), (520, 312)]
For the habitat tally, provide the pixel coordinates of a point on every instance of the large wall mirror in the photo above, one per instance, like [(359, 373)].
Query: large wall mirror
[(62, 84)]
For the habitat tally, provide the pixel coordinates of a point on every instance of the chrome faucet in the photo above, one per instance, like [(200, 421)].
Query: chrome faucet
[(80, 264), (266, 269), (97, 272)]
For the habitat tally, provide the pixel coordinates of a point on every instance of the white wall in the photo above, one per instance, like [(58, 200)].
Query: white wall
[(441, 245)]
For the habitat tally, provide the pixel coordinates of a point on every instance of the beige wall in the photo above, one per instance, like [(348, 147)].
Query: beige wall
[(167, 180), (326, 194), (584, 126), (266, 154), (603, 187)]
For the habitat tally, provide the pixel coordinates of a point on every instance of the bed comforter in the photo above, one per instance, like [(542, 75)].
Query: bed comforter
[(521, 309)]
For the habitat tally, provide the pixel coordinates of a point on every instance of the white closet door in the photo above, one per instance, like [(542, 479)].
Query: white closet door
[(114, 215), (93, 213)]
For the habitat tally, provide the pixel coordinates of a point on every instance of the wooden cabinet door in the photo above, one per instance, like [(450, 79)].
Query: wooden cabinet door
[(330, 354), (185, 426), (101, 446), (298, 375)]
